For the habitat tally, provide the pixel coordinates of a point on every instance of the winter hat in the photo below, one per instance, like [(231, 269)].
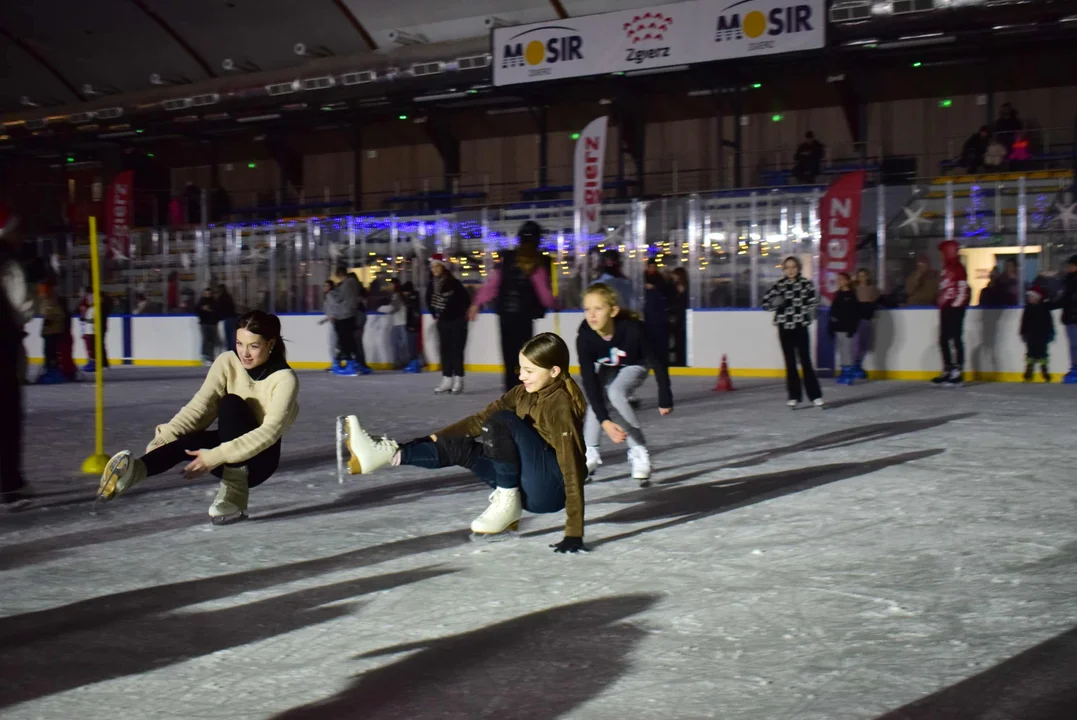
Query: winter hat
[(530, 233), (439, 259), (8, 219)]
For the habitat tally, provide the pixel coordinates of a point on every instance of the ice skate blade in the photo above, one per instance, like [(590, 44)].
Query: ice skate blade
[(644, 482), (354, 468), (509, 533), (115, 469), (232, 519)]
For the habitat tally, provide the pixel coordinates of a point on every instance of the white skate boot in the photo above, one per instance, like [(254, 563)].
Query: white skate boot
[(367, 455), (230, 505), (445, 386), (641, 465), (503, 514), (122, 472), (593, 461), (457, 385)]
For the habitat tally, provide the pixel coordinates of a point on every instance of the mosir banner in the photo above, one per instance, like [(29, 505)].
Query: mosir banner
[(118, 209), (587, 177), (662, 36), (839, 218)]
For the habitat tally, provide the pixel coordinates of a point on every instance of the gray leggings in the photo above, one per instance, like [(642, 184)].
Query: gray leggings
[(844, 345), (617, 393)]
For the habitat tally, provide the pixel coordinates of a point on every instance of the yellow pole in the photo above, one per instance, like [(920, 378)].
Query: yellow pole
[(95, 464)]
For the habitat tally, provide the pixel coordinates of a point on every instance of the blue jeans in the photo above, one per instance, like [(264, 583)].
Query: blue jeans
[(229, 326), (537, 475), (1071, 335)]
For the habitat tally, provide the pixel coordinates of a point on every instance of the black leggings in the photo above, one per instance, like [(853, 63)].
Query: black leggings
[(11, 420), (951, 329), (452, 337), (234, 419), (797, 344), (345, 338), (516, 330)]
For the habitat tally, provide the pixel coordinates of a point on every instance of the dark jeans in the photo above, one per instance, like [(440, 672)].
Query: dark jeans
[(229, 327), (536, 473), (1071, 337), (234, 419), (360, 351), (452, 341), (1035, 349), (516, 330), (795, 344), (951, 329), (658, 337), (11, 420), (52, 348), (209, 341), (345, 338)]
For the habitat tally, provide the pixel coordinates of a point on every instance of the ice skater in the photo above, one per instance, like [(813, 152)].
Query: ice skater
[(1037, 330), (793, 301), (953, 300), (448, 301), (614, 355), (527, 446), (843, 325), (251, 392)]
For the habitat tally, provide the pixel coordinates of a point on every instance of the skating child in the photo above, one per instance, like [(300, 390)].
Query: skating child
[(527, 446), (1037, 330), (614, 356), (251, 392), (87, 312), (844, 319), (793, 301), (54, 325), (413, 326)]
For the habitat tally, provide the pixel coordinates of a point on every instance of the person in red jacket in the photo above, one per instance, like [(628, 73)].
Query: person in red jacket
[(953, 299)]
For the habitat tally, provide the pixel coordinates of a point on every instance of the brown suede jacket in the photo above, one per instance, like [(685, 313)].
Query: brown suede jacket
[(558, 419)]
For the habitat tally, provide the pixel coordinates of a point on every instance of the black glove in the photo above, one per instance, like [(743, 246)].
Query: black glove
[(570, 544)]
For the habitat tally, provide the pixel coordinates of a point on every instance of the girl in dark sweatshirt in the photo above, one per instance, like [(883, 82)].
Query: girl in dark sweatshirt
[(614, 356), (844, 320)]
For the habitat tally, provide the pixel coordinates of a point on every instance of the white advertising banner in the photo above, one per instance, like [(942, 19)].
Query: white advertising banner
[(663, 36), (587, 174)]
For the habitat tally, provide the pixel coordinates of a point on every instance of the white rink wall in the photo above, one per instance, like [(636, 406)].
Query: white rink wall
[(905, 344)]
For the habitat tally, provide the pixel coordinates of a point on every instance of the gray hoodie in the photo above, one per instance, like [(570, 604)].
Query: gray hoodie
[(342, 302)]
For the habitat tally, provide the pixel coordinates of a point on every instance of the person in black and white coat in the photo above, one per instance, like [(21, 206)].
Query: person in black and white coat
[(793, 301)]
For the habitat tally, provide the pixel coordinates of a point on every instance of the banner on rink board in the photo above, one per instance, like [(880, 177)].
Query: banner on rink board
[(587, 173), (663, 36), (119, 206), (839, 218)]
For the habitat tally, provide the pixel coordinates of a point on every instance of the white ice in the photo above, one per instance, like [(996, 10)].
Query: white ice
[(908, 553)]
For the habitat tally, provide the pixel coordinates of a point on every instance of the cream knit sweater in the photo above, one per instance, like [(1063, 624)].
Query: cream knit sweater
[(273, 401)]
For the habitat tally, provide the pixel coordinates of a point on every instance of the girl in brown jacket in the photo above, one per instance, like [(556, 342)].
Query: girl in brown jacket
[(527, 446)]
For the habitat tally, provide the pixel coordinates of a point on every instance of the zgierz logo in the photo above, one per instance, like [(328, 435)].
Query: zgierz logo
[(557, 44), (754, 24), (646, 28)]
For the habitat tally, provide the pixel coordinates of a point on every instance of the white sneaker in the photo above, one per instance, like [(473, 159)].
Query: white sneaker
[(122, 472), (818, 402), (593, 459), (457, 385), (503, 514), (445, 386), (231, 502), (641, 462), (367, 455), (793, 403)]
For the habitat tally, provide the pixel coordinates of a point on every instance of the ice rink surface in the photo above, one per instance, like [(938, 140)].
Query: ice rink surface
[(911, 553)]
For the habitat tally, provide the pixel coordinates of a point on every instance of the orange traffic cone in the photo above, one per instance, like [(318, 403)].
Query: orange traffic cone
[(725, 383)]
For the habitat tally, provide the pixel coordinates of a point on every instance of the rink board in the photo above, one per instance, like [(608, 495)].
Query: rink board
[(905, 346)]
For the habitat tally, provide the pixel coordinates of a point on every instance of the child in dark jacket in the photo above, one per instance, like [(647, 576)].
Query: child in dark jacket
[(844, 319), (1037, 330)]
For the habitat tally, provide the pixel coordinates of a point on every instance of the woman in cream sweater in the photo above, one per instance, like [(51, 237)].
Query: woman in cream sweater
[(251, 392)]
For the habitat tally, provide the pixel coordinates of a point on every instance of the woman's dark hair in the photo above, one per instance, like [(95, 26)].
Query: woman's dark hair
[(267, 326)]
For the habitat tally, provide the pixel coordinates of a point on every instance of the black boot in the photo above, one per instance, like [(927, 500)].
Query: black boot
[(1028, 372), (1045, 373)]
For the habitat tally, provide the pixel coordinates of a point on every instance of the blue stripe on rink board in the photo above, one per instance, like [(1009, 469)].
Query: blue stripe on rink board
[(128, 341)]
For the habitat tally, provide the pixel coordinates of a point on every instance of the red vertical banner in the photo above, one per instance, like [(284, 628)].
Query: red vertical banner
[(119, 208), (839, 218)]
